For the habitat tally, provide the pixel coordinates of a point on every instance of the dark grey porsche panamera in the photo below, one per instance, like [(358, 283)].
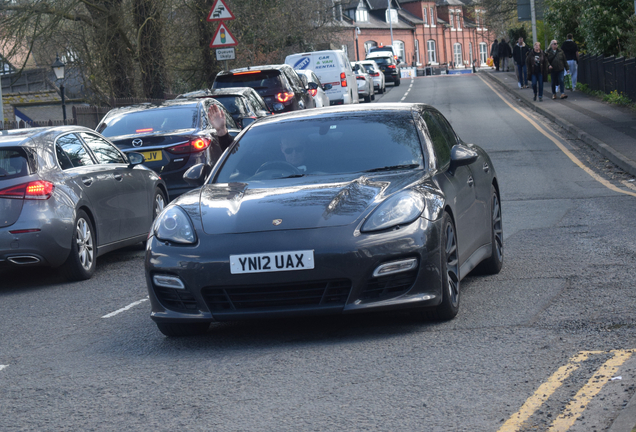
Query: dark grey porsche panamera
[(334, 210)]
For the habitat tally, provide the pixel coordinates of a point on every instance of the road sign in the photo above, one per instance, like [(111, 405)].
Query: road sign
[(223, 38), (220, 12), (225, 54)]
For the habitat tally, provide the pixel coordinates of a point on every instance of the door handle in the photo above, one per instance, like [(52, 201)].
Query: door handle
[(118, 177), (470, 181), (87, 180), (486, 167)]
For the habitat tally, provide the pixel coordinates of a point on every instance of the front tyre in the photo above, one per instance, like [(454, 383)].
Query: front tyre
[(158, 203), (449, 307), (182, 329), (493, 264), (80, 264)]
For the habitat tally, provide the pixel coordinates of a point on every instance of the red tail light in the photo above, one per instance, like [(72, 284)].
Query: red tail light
[(360, 77), (33, 190), (284, 97), (247, 73), (144, 130), (195, 145), (391, 66), (375, 74), (313, 92), (343, 81)]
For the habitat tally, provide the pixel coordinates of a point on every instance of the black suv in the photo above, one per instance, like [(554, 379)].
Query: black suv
[(388, 64), (279, 85)]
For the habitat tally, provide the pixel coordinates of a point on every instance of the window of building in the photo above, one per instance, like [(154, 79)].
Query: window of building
[(368, 45), (424, 16), (399, 49), (433, 17), (483, 52), (459, 21), (430, 49), (362, 15), (450, 18), (457, 53), (470, 52), (417, 52), (394, 16)]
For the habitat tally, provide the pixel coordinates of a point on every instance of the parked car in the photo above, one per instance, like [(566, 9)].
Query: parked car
[(332, 67), (365, 82), (280, 87), (379, 83), (389, 66), (336, 210), (243, 103), (68, 195), (172, 136), (316, 89)]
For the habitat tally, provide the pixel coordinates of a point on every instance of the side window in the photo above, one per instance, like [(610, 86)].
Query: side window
[(71, 147), (315, 79), (105, 152), (294, 78), (229, 121), (440, 142), (256, 103), (446, 128)]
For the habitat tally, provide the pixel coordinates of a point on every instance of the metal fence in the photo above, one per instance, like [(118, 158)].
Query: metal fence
[(608, 74)]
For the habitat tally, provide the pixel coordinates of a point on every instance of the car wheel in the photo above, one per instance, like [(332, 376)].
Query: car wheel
[(159, 203), (493, 264), (372, 95), (80, 264), (397, 82), (450, 272), (367, 98), (381, 90), (182, 329)]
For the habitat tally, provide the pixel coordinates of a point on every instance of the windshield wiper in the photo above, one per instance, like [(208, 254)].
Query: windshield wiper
[(394, 167)]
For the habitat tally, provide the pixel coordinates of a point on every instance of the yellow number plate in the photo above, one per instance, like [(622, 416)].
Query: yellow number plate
[(152, 156)]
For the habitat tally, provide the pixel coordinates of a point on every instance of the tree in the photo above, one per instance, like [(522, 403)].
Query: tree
[(607, 26)]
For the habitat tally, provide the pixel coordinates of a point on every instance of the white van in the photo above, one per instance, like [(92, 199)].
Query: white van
[(332, 67)]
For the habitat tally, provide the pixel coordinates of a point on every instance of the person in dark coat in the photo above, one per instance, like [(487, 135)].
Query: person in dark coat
[(494, 53), (558, 66), (571, 51), (538, 67), (519, 53), (504, 54)]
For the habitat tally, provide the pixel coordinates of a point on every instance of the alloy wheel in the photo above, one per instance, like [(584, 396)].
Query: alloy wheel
[(84, 240), (497, 226), (452, 265)]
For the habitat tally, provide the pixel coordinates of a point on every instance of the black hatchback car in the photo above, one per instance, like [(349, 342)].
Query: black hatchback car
[(388, 65), (279, 85), (172, 136)]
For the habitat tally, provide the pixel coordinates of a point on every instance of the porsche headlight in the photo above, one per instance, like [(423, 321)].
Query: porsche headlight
[(402, 208), (174, 225)]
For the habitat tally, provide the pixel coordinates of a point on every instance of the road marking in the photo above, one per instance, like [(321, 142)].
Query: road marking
[(407, 91), (561, 146), (132, 305), (580, 401), (3, 366)]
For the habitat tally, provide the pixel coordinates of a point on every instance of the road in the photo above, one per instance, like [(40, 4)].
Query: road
[(533, 348)]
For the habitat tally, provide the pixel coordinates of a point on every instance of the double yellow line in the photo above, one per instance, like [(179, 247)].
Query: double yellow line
[(568, 153)]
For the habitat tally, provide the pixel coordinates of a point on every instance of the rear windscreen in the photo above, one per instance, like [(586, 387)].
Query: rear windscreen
[(258, 80), (163, 119), (13, 163)]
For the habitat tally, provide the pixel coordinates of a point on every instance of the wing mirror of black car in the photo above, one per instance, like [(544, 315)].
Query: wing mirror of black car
[(461, 156), (135, 158), (195, 175), (327, 86), (246, 121), (312, 86)]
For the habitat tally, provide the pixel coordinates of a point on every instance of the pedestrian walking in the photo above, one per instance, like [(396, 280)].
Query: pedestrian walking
[(538, 67), (505, 52), (519, 53), (494, 53), (571, 51), (558, 66)]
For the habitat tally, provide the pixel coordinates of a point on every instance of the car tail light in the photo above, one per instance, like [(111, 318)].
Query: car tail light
[(144, 130), (360, 77), (194, 145), (284, 97), (343, 81), (247, 73), (39, 189), (391, 66), (375, 74), (313, 92)]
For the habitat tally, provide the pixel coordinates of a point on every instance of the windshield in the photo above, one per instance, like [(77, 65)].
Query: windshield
[(382, 61), (258, 80), (231, 103), (345, 143), (161, 119)]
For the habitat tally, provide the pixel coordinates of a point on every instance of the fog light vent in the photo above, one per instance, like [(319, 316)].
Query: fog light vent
[(395, 267), (168, 281)]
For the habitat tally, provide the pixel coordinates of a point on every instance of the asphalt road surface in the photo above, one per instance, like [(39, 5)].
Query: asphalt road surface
[(533, 348)]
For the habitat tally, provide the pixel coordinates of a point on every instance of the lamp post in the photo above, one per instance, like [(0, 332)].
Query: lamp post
[(58, 68), (358, 49)]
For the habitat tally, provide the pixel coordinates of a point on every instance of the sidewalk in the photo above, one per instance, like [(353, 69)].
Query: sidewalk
[(610, 129)]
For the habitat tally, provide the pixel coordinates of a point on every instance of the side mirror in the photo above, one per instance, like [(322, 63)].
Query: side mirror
[(135, 158), (312, 86), (461, 156), (246, 121), (195, 175), (327, 86)]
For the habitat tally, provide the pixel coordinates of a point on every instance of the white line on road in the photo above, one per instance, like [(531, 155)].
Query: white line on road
[(3, 366), (407, 90), (132, 305)]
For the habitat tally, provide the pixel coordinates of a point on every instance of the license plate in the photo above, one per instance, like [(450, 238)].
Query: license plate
[(152, 156), (272, 262)]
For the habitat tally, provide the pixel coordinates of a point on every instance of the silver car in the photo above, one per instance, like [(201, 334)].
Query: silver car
[(316, 88), (365, 82), (375, 72), (68, 195)]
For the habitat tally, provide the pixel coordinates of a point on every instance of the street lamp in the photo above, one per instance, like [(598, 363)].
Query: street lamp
[(357, 49), (58, 68)]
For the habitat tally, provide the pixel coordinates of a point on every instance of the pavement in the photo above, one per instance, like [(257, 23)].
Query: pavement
[(610, 129)]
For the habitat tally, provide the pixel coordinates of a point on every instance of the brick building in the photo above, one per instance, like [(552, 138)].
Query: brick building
[(425, 32)]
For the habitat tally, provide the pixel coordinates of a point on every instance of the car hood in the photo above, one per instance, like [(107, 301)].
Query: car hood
[(295, 203)]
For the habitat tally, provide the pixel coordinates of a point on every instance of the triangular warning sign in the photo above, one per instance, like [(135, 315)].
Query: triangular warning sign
[(220, 12), (223, 38)]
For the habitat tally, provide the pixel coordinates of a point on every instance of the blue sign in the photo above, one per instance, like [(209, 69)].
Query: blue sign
[(302, 63)]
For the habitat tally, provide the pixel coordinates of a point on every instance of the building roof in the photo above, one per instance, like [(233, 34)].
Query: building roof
[(376, 23)]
